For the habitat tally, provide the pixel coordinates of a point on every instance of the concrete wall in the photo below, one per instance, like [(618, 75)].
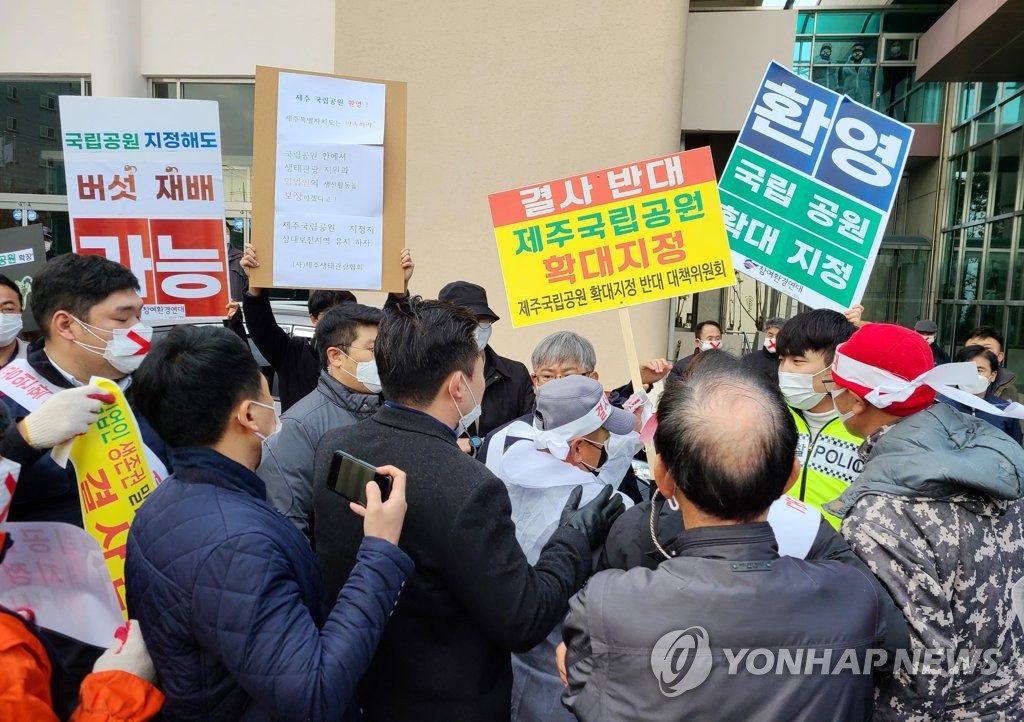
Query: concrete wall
[(505, 94), (120, 42), (726, 56)]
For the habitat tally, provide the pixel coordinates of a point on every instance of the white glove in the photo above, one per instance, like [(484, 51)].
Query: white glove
[(129, 654), (64, 416)]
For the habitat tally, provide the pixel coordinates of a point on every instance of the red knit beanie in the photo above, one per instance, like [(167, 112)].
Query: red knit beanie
[(891, 348)]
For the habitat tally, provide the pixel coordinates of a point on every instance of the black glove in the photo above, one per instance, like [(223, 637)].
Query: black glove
[(595, 519)]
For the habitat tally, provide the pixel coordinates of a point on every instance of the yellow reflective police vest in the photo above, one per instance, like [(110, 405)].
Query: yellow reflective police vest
[(829, 463)]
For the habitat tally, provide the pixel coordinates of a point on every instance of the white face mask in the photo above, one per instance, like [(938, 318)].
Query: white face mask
[(277, 421), (366, 373), (927, 338), (47, 245), (467, 420), (799, 389), (710, 345), (978, 386), (10, 327), (843, 418), (769, 345), (126, 350), (483, 335), (621, 449)]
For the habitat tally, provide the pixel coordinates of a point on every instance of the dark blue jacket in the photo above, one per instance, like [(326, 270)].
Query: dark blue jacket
[(1010, 427), (229, 597), (46, 492)]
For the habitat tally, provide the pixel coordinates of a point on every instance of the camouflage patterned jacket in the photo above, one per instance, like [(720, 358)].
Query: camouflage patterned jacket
[(935, 516)]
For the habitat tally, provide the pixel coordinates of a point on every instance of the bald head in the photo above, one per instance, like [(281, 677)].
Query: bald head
[(727, 440)]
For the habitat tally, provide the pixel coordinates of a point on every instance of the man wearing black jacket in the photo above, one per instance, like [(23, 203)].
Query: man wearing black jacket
[(509, 390), (473, 598), (294, 359)]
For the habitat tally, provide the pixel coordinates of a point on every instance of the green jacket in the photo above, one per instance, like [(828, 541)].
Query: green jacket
[(828, 463)]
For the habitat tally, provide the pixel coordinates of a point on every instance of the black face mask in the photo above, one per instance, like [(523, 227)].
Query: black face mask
[(595, 470)]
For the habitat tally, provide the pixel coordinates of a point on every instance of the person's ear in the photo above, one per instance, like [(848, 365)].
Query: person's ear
[(593, 375), (244, 416), (313, 319), (60, 325), (794, 474), (662, 478), (335, 358)]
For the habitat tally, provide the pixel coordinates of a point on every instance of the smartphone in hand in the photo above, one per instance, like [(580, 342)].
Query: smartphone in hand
[(348, 477)]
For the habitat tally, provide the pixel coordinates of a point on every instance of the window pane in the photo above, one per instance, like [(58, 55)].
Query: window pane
[(1014, 358), (1007, 171), (1011, 88), (804, 71), (981, 171), (896, 22), (965, 107), (804, 23), (165, 90), (985, 126), (237, 101), (960, 138), (802, 52), (987, 94), (31, 159), (998, 265), (1009, 113), (970, 275), (955, 320), (957, 190), (992, 316), (947, 273), (831, 23)]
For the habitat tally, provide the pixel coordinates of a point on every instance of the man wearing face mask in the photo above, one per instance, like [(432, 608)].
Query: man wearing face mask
[(11, 306), (508, 391), (230, 591), (981, 386), (766, 359), (827, 451), (347, 392), (560, 355), (474, 597), (88, 310), (707, 336), (927, 330), (937, 515), (575, 426)]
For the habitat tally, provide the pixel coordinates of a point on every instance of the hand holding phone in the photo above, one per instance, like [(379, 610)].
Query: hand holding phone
[(348, 477), (384, 519)]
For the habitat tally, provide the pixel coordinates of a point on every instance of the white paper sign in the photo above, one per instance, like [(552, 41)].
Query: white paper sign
[(57, 570), (329, 183)]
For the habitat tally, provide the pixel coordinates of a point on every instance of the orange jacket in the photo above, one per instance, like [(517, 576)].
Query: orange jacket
[(25, 671)]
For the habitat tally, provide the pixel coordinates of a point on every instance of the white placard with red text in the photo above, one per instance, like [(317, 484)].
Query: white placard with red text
[(144, 185)]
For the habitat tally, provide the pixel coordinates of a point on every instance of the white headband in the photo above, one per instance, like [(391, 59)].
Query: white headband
[(888, 388), (556, 440)]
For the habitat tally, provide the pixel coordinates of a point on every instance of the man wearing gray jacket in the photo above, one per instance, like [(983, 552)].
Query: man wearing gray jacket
[(726, 629), (346, 392)]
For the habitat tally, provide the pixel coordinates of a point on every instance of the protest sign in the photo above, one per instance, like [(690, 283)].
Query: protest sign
[(22, 256), (114, 477), (329, 181), (57, 571), (611, 239), (144, 181), (808, 190)]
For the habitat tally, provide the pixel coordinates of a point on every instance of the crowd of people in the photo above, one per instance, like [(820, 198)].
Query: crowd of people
[(827, 528)]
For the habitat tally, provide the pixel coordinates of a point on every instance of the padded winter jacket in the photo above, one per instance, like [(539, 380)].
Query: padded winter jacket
[(228, 596)]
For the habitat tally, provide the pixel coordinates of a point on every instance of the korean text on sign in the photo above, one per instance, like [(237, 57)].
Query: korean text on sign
[(612, 238), (807, 192), (144, 181), (114, 478)]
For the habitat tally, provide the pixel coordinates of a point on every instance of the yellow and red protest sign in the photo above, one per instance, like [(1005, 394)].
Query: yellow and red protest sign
[(612, 238), (114, 478)]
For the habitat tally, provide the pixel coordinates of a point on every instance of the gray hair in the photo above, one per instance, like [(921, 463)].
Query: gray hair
[(564, 347)]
